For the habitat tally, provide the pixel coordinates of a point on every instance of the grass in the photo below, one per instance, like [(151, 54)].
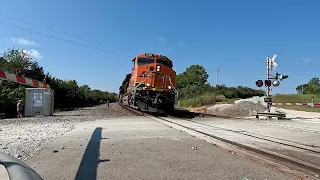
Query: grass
[(298, 98), (301, 108)]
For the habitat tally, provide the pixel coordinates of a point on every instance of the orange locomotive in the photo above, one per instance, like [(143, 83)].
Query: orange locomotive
[(150, 86)]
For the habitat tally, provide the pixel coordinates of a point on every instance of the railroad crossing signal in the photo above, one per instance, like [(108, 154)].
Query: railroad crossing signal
[(271, 65)]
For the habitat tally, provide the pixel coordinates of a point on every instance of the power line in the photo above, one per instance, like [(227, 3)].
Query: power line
[(58, 38), (64, 33)]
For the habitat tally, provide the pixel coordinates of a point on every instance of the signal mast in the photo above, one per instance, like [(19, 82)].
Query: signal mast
[(271, 65)]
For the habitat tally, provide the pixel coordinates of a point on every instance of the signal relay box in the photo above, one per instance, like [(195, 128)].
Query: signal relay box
[(39, 102)]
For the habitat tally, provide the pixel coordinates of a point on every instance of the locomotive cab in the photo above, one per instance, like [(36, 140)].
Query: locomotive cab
[(154, 72), (151, 84)]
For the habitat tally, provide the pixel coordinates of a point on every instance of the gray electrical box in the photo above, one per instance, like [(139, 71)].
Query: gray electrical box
[(39, 102)]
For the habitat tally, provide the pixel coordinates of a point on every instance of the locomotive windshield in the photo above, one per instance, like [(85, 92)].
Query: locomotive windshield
[(143, 61), (165, 62)]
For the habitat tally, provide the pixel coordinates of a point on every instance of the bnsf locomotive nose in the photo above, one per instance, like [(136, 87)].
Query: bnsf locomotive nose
[(150, 85)]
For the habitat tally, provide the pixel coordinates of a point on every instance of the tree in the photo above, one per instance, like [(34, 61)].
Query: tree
[(194, 75), (305, 88), (15, 58), (35, 72), (2, 61), (314, 82)]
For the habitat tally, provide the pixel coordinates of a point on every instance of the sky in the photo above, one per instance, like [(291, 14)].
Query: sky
[(100, 38)]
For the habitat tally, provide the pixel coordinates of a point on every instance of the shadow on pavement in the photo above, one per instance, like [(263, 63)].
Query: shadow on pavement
[(90, 160), (180, 114)]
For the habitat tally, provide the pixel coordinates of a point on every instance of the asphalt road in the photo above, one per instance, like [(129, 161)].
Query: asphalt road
[(140, 148)]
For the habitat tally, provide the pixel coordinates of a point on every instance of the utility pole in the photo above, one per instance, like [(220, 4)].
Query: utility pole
[(217, 77)]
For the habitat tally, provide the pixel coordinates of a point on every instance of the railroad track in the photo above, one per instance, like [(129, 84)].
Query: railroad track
[(180, 113), (303, 156)]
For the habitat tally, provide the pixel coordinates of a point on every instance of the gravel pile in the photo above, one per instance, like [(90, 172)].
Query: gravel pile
[(25, 137), (241, 109)]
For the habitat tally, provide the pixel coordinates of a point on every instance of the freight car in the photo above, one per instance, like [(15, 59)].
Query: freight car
[(150, 87)]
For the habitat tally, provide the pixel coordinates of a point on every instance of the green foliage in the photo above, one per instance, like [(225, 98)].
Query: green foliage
[(296, 98), (237, 92), (194, 89), (9, 95), (68, 94), (314, 82), (313, 87), (302, 87), (220, 98), (194, 75), (200, 100)]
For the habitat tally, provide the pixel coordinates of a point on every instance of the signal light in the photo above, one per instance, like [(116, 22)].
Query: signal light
[(259, 83), (276, 83), (282, 77), (267, 82), (18, 71)]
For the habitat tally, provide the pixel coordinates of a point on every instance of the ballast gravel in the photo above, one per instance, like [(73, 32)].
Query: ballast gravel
[(25, 137), (240, 109)]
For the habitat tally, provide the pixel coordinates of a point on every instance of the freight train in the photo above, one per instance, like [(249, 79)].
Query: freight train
[(150, 87)]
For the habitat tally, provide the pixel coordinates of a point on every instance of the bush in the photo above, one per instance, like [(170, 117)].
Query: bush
[(201, 100), (220, 98)]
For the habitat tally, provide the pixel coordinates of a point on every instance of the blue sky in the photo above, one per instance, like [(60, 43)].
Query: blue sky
[(234, 36)]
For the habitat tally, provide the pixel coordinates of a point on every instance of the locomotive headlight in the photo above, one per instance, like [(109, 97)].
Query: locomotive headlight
[(169, 87), (148, 84), (158, 68)]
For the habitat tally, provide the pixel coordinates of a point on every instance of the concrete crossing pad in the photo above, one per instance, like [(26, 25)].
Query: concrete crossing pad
[(140, 148)]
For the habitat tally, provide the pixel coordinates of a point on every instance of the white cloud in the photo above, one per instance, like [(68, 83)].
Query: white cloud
[(23, 41), (33, 53), (306, 60), (161, 39), (180, 43)]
